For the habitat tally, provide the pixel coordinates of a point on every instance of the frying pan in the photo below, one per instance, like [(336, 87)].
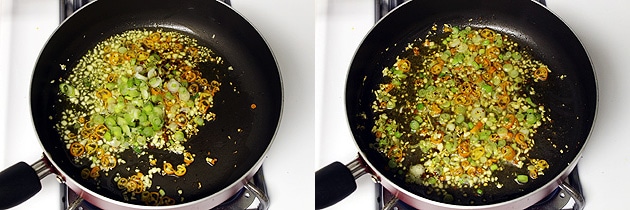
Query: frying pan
[(239, 137), (572, 100)]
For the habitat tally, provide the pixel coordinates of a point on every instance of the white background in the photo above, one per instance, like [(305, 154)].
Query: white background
[(25, 25), (603, 28)]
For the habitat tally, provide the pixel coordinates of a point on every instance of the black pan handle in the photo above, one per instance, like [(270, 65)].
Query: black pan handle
[(226, 2), (67, 7), (382, 7), (20, 182), (541, 2), (336, 181)]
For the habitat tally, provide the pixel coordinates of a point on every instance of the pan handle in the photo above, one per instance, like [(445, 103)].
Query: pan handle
[(21, 181), (336, 181), (542, 2), (382, 7), (260, 194), (226, 2), (577, 197)]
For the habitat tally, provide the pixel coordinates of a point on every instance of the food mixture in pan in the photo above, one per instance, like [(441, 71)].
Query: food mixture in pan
[(137, 90), (458, 109)]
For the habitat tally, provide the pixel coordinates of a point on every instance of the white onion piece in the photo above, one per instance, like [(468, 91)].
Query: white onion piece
[(416, 170), (477, 114), (140, 76), (139, 69), (152, 73), (183, 94), (172, 85)]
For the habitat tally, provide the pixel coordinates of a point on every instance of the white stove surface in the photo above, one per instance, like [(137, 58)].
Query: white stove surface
[(600, 25), (26, 25)]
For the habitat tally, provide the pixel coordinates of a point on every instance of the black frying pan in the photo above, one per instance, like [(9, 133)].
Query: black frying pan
[(572, 101), (238, 138)]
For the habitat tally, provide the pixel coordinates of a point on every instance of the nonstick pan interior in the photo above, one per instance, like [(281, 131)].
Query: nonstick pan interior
[(570, 93), (238, 137)]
